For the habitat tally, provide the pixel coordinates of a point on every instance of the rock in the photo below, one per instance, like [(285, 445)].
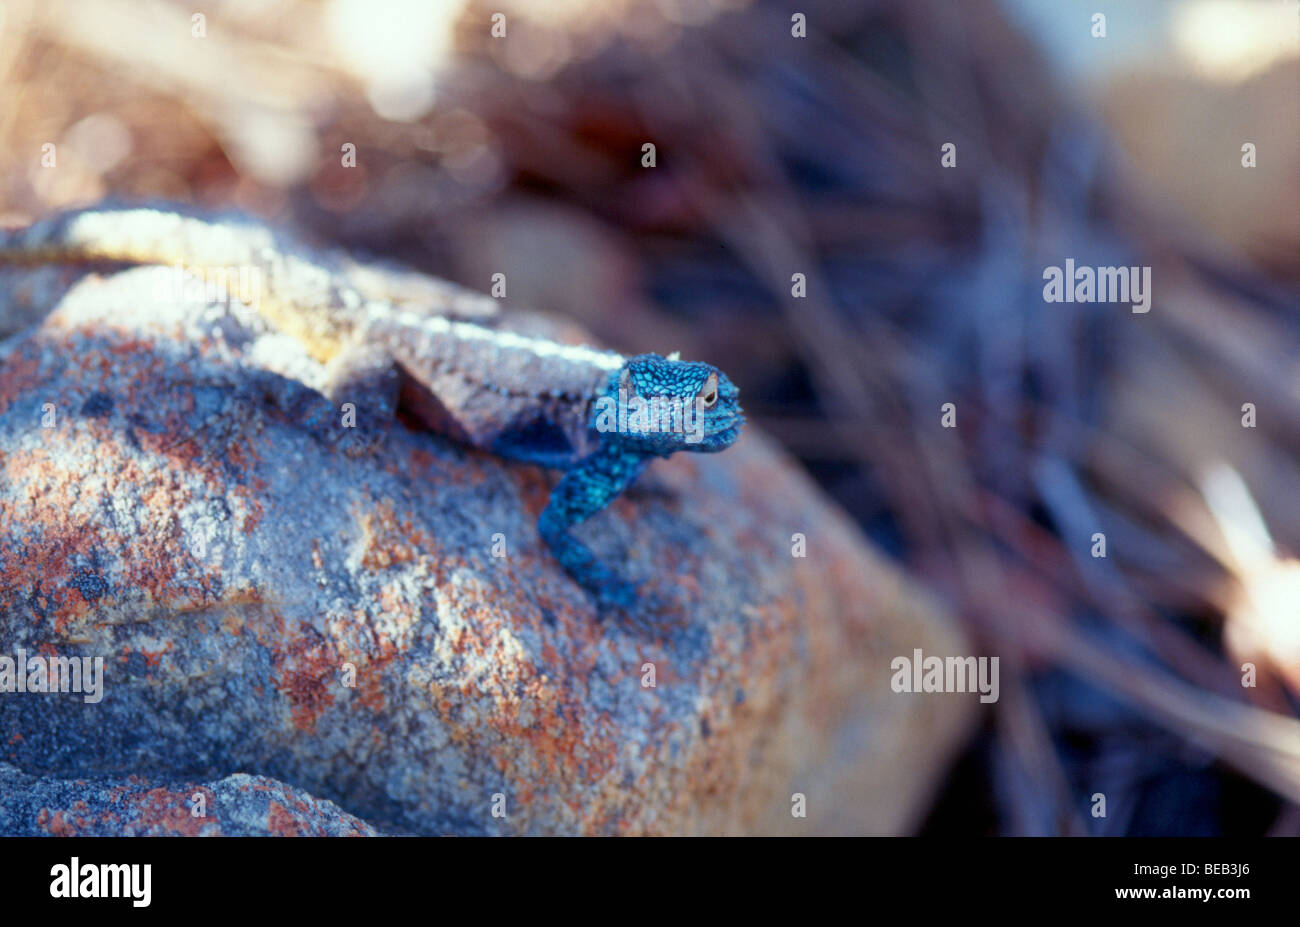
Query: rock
[(236, 806), (267, 597)]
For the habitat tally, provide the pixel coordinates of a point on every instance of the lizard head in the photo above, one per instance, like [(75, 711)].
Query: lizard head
[(661, 405)]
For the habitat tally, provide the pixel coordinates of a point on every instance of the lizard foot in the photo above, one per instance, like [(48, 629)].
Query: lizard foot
[(622, 603), (363, 389), (359, 440)]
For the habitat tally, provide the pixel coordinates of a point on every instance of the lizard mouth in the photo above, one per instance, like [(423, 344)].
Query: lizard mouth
[(728, 435)]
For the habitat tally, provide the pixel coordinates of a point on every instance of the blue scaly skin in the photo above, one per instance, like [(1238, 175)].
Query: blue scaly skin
[(443, 355), (597, 479)]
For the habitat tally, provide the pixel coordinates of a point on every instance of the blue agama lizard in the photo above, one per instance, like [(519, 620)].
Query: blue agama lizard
[(597, 415)]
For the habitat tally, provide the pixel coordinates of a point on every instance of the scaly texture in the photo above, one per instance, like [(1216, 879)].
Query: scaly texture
[(592, 413), (265, 604)]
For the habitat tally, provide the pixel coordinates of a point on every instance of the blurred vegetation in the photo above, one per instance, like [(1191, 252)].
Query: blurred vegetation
[(820, 156)]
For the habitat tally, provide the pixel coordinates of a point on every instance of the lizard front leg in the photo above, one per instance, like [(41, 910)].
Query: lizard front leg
[(584, 490)]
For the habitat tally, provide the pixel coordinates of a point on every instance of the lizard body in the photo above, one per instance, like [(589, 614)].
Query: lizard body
[(515, 394)]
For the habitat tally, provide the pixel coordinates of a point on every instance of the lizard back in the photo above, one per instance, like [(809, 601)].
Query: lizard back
[(519, 396)]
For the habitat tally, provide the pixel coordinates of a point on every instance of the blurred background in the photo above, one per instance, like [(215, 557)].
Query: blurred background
[(820, 155)]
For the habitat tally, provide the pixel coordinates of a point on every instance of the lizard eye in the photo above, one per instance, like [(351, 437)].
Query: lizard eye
[(709, 392)]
